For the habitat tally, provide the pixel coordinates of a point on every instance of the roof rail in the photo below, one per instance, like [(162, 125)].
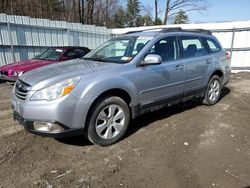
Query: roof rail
[(138, 31), (179, 29), (173, 29), (204, 31)]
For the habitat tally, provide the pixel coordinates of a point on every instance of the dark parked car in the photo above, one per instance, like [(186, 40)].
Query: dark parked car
[(51, 55)]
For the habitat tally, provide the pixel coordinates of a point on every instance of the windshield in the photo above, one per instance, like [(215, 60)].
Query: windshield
[(50, 54), (119, 50)]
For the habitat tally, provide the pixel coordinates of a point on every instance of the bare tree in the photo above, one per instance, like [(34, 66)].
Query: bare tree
[(79, 10), (83, 12), (156, 10), (173, 6), (90, 11), (106, 12)]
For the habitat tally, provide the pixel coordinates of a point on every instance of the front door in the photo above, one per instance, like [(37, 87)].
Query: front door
[(163, 82)]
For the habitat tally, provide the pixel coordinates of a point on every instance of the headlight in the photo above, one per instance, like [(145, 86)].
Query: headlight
[(56, 91), (18, 73)]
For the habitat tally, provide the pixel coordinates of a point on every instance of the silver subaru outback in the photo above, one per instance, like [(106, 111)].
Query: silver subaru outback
[(127, 76)]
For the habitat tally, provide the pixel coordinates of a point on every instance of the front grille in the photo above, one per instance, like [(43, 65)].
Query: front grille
[(21, 89)]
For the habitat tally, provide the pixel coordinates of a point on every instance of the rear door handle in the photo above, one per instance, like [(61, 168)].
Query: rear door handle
[(208, 61)]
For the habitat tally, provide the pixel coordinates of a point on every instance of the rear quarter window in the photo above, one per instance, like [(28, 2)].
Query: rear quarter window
[(212, 45)]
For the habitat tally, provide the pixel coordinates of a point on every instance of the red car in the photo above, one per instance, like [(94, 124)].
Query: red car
[(51, 55)]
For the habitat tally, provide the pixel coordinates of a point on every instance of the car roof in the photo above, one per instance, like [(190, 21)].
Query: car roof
[(70, 47), (161, 31)]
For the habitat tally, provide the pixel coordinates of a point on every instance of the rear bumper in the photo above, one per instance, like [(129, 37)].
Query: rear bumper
[(226, 78)]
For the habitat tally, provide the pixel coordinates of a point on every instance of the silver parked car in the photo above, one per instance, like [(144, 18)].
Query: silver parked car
[(127, 76)]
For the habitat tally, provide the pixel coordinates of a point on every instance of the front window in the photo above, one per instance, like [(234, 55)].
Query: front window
[(50, 54), (119, 50), (166, 48)]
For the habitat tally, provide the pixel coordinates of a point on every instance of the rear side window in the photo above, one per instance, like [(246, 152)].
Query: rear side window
[(166, 48), (192, 47), (75, 53), (212, 45)]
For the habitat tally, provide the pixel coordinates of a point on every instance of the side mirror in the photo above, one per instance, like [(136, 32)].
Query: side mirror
[(152, 59), (64, 58)]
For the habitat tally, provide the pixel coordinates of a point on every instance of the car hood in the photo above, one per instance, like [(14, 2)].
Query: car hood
[(63, 70), (26, 65)]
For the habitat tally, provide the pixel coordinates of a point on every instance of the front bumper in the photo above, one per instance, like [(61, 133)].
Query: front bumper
[(8, 79), (29, 125), (66, 113)]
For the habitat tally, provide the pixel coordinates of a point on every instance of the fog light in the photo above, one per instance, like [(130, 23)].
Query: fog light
[(47, 127)]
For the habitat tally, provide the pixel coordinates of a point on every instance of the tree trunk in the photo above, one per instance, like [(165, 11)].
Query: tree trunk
[(90, 10), (166, 12), (70, 10), (83, 12), (74, 11), (156, 10), (79, 11), (106, 13), (64, 10)]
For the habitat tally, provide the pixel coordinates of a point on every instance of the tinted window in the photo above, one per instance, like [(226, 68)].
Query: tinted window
[(75, 53), (166, 48), (192, 47), (213, 46)]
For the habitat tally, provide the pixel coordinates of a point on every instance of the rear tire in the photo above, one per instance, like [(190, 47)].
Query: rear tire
[(108, 121), (213, 91)]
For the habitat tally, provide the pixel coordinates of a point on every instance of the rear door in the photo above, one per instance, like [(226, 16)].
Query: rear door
[(197, 63), (163, 82)]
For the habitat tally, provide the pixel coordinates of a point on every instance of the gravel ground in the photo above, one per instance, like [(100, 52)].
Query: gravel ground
[(186, 145)]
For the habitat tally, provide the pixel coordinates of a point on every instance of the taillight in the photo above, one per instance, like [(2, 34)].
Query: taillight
[(228, 55)]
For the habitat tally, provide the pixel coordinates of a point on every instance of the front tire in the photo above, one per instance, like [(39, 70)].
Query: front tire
[(213, 91), (108, 121)]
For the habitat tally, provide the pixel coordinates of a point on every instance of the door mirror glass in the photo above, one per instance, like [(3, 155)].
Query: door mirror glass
[(152, 59)]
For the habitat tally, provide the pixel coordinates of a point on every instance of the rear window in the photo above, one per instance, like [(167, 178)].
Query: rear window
[(212, 45), (193, 47)]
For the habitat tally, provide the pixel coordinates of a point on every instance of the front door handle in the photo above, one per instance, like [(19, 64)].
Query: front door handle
[(179, 67)]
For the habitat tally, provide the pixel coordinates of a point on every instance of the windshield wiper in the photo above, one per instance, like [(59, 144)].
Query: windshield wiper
[(46, 59), (96, 59)]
